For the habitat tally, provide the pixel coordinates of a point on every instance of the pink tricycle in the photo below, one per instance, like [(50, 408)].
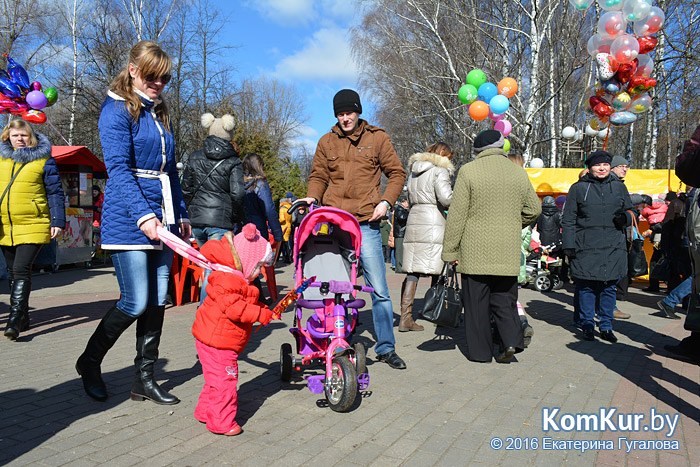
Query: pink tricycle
[(327, 244)]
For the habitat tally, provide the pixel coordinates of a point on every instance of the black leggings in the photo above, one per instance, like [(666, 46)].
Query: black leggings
[(19, 259)]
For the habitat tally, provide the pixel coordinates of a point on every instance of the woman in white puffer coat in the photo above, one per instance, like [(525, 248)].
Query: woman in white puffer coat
[(429, 195)]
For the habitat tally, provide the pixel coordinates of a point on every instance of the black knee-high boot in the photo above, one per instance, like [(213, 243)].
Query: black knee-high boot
[(149, 328), (19, 308), (114, 323)]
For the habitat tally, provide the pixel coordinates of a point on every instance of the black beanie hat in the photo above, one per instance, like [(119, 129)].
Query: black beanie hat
[(488, 139), (598, 157), (671, 195), (346, 100)]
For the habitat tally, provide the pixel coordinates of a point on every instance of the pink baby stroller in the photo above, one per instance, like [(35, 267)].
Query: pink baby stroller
[(327, 246)]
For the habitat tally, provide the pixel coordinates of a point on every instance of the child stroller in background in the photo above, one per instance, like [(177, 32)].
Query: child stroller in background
[(542, 267), (327, 246)]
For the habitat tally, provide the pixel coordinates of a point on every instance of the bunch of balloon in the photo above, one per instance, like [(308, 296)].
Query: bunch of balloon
[(20, 97), (487, 100), (623, 66)]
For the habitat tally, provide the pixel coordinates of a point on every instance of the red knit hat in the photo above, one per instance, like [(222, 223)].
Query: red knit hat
[(252, 249)]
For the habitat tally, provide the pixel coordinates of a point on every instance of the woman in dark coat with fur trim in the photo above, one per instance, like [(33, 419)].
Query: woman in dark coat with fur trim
[(32, 211), (593, 230)]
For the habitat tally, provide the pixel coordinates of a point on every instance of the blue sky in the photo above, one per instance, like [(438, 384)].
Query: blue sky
[(300, 42)]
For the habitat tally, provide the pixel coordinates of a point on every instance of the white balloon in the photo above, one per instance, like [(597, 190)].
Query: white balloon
[(536, 163), (568, 132)]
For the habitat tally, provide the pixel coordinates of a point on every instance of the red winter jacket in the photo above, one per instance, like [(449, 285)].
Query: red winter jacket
[(225, 319), (655, 213)]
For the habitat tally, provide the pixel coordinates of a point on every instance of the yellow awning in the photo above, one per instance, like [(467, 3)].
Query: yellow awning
[(648, 182)]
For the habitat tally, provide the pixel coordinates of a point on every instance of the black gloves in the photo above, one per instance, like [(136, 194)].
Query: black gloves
[(620, 220), (570, 253)]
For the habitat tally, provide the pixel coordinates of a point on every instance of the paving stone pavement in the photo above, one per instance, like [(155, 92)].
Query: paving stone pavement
[(442, 410)]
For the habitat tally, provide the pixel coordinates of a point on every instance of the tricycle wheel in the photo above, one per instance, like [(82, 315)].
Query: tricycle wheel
[(360, 358), (286, 362), (543, 282), (341, 390)]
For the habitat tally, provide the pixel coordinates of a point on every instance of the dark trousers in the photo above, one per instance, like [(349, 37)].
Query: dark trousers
[(622, 286), (484, 297), (596, 298), (19, 259), (655, 258)]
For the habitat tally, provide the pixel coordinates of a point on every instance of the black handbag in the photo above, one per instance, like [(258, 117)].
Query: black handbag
[(636, 258), (442, 304)]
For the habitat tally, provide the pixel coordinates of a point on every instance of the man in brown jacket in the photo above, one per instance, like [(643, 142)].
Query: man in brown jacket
[(346, 174)]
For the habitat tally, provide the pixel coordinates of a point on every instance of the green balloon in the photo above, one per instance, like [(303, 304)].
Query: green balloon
[(467, 94), (51, 96), (476, 78), (506, 145)]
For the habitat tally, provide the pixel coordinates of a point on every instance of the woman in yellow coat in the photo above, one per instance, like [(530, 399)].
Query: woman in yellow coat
[(32, 211), (286, 223)]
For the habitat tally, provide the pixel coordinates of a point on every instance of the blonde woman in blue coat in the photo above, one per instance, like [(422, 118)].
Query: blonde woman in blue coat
[(142, 193)]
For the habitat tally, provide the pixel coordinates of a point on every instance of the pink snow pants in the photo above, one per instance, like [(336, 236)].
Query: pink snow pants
[(218, 401)]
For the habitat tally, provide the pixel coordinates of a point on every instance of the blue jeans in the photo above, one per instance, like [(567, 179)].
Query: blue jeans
[(679, 293), (143, 278), (202, 235), (393, 258), (372, 258), (596, 297)]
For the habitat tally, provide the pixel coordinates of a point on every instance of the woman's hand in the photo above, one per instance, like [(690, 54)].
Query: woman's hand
[(149, 228), (56, 231), (185, 230)]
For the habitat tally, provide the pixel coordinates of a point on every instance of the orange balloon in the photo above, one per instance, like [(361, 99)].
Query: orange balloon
[(479, 110), (507, 87)]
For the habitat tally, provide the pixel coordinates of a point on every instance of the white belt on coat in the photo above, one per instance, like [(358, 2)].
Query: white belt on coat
[(167, 206)]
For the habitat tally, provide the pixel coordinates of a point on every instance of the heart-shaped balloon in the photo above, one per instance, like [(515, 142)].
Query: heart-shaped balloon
[(603, 110), (626, 71), (647, 44), (34, 116), (607, 66), (10, 88), (640, 85), (622, 118)]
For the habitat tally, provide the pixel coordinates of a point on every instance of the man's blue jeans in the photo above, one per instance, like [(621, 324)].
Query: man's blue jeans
[(596, 297), (202, 235), (679, 293), (372, 258), (143, 278)]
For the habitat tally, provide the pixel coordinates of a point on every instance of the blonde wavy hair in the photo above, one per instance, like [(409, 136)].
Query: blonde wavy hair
[(150, 59), (20, 125)]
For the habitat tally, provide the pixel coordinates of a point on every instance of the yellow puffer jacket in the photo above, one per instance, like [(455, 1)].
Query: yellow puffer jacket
[(285, 219), (26, 217)]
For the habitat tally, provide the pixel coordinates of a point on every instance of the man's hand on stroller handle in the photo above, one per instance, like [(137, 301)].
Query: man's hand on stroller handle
[(301, 202)]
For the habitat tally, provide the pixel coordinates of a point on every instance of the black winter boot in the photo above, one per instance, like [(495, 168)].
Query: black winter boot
[(114, 323), (19, 308), (149, 328)]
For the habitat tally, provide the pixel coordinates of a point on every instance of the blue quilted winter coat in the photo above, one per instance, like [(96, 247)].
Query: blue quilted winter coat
[(136, 155)]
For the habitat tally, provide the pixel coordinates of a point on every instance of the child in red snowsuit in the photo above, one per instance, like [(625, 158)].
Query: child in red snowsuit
[(224, 322)]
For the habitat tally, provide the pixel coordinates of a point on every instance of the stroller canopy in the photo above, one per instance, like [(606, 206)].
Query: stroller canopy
[(342, 219)]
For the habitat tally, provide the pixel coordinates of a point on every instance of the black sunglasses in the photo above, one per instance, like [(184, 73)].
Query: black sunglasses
[(152, 77)]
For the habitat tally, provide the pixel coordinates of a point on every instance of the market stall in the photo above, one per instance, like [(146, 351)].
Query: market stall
[(77, 166)]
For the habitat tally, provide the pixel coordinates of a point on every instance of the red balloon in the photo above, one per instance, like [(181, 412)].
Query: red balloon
[(647, 44), (626, 71), (603, 110), (34, 116), (595, 100), (640, 85)]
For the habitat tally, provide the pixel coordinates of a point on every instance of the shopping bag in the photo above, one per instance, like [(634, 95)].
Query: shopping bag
[(442, 304)]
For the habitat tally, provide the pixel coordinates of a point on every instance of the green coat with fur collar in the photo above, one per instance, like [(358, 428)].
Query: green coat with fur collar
[(493, 200)]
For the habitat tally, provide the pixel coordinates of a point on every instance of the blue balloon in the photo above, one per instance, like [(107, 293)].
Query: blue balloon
[(622, 118), (9, 88), (18, 74), (487, 91), (499, 104), (611, 86)]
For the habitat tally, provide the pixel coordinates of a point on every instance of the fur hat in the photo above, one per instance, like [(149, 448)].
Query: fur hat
[(598, 157), (619, 160), (222, 127), (488, 139), (346, 100), (252, 249)]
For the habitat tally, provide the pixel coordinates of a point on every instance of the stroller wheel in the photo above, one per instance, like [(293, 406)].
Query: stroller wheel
[(286, 362), (543, 282), (360, 358), (341, 390)]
